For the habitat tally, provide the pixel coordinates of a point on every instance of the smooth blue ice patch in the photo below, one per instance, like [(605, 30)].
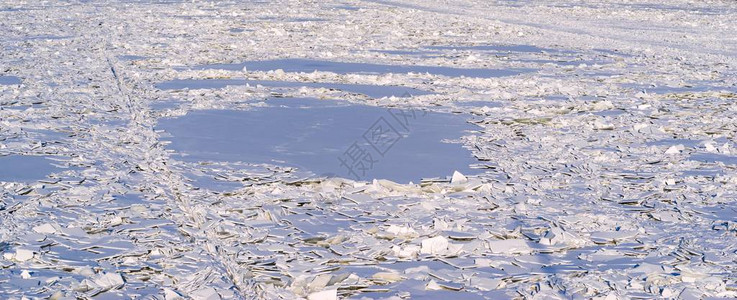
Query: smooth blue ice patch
[(566, 62), (674, 142), (697, 87), (25, 168), (478, 103), (373, 91), (719, 212), (131, 57), (496, 48), (9, 80), (610, 112), (714, 158), (701, 172), (346, 7), (46, 135), (557, 98), (614, 52), (665, 7), (308, 65), (315, 135), (306, 20), (404, 52), (48, 37)]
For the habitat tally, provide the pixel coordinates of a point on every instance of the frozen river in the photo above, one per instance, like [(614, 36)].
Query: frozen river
[(368, 150)]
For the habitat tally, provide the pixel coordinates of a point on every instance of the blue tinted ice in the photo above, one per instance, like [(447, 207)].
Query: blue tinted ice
[(308, 65), (24, 168), (9, 80), (315, 135), (495, 48), (373, 91), (714, 158), (131, 57)]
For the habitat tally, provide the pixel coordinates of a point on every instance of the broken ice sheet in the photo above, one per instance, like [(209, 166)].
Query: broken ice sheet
[(603, 237), (543, 154), (511, 246)]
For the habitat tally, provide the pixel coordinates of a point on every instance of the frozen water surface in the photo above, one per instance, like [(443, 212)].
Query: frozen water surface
[(672, 142), (586, 187), (131, 57), (565, 62), (346, 7), (9, 80), (714, 158), (308, 65), (306, 20), (403, 52), (373, 91), (315, 134), (495, 48), (695, 87), (25, 168)]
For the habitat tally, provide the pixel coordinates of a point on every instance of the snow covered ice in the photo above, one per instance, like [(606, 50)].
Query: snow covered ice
[(542, 150)]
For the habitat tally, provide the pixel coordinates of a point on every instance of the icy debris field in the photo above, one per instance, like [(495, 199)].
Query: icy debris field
[(368, 150)]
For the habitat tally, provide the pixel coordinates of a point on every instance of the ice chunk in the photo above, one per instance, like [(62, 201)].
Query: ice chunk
[(74, 232), (109, 281), (407, 251), (401, 231), (320, 282), (387, 276), (513, 246), (23, 254), (433, 286), (710, 147), (675, 149), (170, 294), (45, 228), (458, 178), (436, 245), (485, 284), (647, 268), (205, 294), (556, 235), (602, 255), (602, 237), (324, 295)]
